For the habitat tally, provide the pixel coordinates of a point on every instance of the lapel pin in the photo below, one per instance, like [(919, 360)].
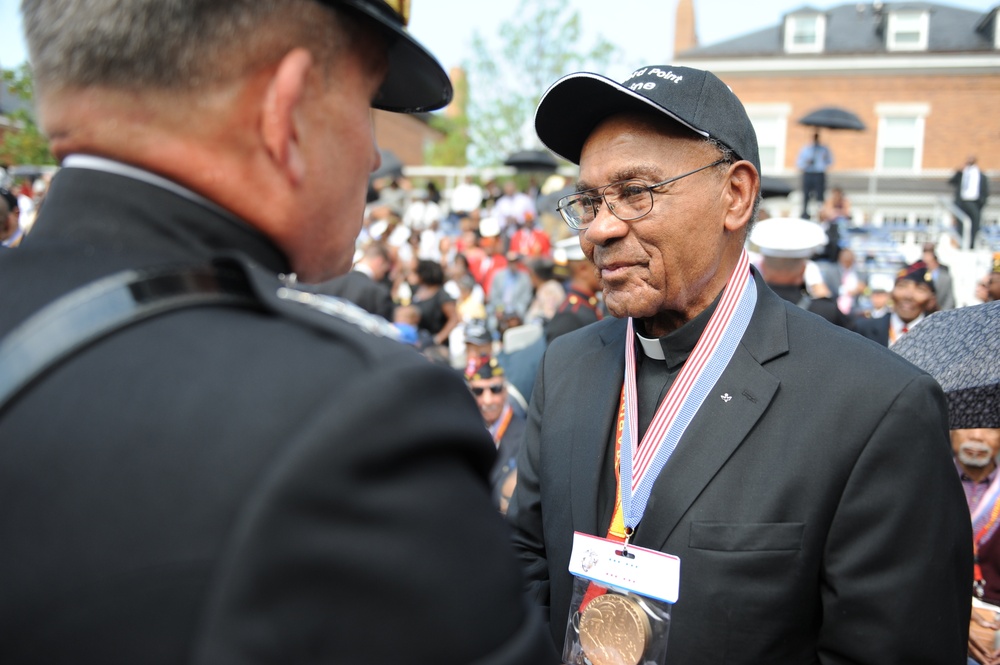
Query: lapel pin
[(726, 397)]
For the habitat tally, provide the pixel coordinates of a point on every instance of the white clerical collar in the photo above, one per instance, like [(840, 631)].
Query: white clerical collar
[(95, 163), (651, 347)]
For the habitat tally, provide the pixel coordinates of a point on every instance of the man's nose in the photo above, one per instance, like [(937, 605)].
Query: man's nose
[(605, 227)]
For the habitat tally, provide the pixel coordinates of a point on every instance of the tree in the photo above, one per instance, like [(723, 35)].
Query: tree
[(22, 142), (539, 45), (454, 124)]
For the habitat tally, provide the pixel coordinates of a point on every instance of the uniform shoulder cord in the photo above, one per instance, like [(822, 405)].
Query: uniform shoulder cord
[(100, 308)]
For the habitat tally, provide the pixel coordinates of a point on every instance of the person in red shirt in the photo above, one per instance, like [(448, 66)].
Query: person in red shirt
[(530, 241)]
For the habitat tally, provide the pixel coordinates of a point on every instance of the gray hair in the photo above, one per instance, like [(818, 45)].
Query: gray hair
[(175, 45), (727, 154)]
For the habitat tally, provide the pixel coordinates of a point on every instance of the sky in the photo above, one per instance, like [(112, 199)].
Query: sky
[(642, 29)]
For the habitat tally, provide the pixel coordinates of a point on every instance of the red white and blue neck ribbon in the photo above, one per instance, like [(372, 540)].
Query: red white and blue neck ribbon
[(982, 512), (701, 371)]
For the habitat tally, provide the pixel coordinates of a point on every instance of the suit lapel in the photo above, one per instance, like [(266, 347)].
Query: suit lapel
[(594, 421), (734, 405)]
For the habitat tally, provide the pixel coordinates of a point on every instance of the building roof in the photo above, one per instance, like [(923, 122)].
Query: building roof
[(859, 29)]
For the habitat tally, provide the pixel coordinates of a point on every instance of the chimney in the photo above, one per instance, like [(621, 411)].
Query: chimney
[(685, 33), (458, 103)]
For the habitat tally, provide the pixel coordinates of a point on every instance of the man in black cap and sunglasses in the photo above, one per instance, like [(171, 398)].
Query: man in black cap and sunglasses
[(488, 383), (799, 472), (199, 462)]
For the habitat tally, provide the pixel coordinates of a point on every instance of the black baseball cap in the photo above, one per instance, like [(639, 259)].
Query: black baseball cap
[(575, 104), (917, 272), (416, 82)]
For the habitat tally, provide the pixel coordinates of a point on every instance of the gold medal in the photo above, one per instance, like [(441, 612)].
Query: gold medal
[(614, 630)]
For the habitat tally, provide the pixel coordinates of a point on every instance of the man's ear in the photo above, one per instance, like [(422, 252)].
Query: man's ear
[(281, 115), (740, 195)]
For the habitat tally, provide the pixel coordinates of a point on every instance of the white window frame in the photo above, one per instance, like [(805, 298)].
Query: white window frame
[(923, 19), (918, 111), (779, 112), (790, 32)]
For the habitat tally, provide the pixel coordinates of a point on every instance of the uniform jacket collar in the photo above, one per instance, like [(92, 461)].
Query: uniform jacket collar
[(95, 206)]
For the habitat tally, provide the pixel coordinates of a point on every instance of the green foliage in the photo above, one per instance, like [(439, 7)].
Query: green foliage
[(539, 44), (453, 150), (23, 142)]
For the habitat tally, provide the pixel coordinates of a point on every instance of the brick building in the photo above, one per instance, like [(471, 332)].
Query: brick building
[(406, 135), (923, 77)]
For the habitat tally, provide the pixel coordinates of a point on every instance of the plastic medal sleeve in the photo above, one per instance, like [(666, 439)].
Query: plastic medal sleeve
[(620, 609)]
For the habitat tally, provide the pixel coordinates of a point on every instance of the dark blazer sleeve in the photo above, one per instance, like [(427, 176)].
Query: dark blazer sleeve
[(375, 511), (897, 574)]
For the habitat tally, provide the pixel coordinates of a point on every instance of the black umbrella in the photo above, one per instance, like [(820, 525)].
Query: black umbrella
[(532, 161), (772, 187), (961, 349), (832, 117)]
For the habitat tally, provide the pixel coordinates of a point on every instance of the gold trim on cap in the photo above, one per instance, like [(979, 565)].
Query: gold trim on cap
[(401, 7)]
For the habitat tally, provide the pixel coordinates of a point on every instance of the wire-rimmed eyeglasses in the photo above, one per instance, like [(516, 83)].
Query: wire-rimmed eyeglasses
[(628, 200)]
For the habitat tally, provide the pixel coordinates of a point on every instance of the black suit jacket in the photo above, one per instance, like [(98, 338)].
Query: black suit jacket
[(984, 187), (221, 485), (510, 445), (816, 512), (876, 330), (361, 290)]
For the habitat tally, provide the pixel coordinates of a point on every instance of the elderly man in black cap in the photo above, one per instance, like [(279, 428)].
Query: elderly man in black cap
[(713, 421), (200, 462), (913, 297)]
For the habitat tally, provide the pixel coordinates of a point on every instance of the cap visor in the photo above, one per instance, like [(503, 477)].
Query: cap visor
[(416, 81), (575, 104)]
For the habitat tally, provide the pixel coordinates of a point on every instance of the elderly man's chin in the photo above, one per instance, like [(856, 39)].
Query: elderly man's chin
[(638, 301)]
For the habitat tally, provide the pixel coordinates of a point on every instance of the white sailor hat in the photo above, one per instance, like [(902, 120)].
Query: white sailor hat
[(568, 249), (788, 237)]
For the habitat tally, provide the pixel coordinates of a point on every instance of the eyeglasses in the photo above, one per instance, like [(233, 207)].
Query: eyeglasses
[(495, 389), (627, 200)]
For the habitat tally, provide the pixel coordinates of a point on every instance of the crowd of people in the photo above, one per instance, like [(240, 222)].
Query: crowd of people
[(280, 477), (475, 260)]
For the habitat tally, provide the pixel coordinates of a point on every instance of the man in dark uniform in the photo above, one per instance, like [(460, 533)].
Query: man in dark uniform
[(785, 244), (364, 285), (581, 305), (913, 298), (254, 479)]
